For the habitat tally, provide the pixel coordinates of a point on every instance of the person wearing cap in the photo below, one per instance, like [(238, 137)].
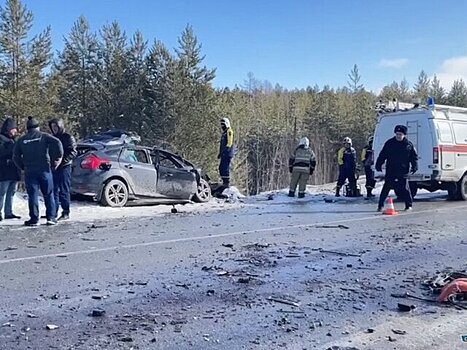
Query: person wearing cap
[(9, 173), (226, 151), (302, 164), (38, 153), (62, 175), (347, 160), (401, 159), (368, 161)]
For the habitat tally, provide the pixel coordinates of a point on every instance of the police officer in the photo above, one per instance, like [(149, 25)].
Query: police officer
[(9, 173), (38, 153), (62, 175), (302, 164), (401, 158), (368, 161), (226, 151), (347, 160)]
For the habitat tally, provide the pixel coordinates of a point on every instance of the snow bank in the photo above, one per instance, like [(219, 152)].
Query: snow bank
[(90, 211)]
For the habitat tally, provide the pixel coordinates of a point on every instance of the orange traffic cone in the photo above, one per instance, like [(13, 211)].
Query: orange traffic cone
[(390, 208)]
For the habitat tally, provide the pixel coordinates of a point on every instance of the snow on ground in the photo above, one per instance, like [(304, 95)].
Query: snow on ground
[(89, 211)]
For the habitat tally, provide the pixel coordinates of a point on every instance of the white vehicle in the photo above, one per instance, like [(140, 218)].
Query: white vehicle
[(439, 133)]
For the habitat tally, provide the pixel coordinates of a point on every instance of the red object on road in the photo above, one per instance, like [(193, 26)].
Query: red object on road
[(455, 287), (390, 209)]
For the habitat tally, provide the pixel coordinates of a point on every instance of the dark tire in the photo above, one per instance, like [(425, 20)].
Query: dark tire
[(115, 194), (413, 189), (462, 188), (203, 194)]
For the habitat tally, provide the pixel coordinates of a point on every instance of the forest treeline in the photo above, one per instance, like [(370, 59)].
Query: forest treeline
[(105, 78)]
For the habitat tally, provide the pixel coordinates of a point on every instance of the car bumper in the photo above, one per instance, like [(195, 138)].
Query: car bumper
[(86, 185)]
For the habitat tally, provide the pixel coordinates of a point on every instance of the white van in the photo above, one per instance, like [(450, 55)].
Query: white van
[(439, 133)]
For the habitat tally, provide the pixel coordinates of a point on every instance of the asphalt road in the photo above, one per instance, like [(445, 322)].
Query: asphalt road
[(271, 275)]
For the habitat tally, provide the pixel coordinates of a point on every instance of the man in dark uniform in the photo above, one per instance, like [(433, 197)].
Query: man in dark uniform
[(37, 153), (9, 173), (347, 160), (62, 175), (226, 151), (368, 161), (401, 159)]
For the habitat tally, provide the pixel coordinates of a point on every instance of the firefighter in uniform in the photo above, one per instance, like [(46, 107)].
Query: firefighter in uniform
[(347, 160), (302, 164), (368, 160)]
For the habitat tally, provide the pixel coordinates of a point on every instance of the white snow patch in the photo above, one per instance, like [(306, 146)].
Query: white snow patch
[(90, 211)]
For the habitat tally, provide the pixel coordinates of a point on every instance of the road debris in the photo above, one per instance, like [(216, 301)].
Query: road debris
[(284, 301), (30, 315), (228, 245), (10, 248), (405, 307), (51, 327), (338, 253), (334, 226), (126, 339), (450, 292), (398, 332), (97, 313)]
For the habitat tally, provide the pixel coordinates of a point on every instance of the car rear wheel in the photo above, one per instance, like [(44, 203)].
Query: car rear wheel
[(203, 194), (115, 194)]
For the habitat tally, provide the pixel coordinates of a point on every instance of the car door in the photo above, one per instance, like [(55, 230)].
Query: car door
[(141, 173), (174, 180)]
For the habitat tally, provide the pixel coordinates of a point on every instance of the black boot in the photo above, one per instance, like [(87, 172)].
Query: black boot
[(368, 192), (291, 194), (301, 195), (338, 191)]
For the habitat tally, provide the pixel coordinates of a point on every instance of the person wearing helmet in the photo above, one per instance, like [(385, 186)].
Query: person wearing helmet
[(401, 159), (347, 160), (368, 161), (226, 151), (301, 165)]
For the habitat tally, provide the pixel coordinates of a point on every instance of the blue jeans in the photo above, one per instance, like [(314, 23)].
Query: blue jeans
[(62, 184), (42, 181), (7, 192)]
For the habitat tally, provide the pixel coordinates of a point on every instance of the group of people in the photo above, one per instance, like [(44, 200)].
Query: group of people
[(398, 153), (46, 161)]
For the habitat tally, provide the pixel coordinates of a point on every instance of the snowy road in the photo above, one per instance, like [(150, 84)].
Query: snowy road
[(265, 275)]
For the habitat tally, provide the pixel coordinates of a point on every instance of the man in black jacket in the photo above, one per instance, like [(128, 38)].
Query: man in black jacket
[(62, 175), (401, 159), (9, 173), (37, 153)]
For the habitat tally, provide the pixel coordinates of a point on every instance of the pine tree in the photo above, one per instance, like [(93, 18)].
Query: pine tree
[(422, 87), (437, 91), (458, 94), (137, 83), (113, 90), (79, 65), (23, 63), (354, 80)]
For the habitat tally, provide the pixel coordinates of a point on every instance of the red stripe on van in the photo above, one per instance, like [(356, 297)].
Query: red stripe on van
[(453, 148)]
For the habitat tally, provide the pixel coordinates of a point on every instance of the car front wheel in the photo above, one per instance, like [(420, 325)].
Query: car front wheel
[(203, 194), (115, 194)]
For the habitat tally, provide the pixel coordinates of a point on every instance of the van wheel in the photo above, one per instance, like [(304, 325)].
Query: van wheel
[(115, 194), (453, 191), (462, 188)]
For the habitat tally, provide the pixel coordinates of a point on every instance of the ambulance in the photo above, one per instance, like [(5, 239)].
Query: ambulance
[(439, 133)]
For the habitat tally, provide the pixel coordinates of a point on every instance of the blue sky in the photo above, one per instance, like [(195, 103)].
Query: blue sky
[(295, 43)]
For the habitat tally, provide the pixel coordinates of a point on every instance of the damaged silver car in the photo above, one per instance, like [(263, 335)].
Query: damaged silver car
[(113, 170)]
